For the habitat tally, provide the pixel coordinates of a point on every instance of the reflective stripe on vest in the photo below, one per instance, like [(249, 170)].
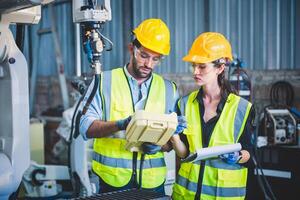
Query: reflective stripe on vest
[(211, 190), (220, 179), (110, 160), (127, 163)]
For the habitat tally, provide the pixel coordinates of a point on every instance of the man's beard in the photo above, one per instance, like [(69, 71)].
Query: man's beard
[(137, 72)]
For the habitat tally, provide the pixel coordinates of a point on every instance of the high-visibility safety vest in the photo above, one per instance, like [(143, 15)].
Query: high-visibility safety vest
[(111, 161), (221, 181)]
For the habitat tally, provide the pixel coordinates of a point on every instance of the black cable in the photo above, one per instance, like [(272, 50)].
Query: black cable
[(91, 3), (93, 93), (141, 170), (260, 182), (242, 77), (282, 94), (78, 115), (74, 133), (75, 176), (134, 174), (34, 180), (269, 189), (263, 182), (73, 118)]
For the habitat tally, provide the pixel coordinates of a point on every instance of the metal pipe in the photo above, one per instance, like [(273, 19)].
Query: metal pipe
[(251, 46), (278, 34), (264, 36), (77, 51), (292, 41), (59, 60), (34, 72)]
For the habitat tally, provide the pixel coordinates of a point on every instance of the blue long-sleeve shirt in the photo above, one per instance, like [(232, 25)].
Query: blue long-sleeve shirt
[(139, 95)]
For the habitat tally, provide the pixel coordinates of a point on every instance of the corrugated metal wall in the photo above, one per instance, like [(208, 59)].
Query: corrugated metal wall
[(184, 19), (42, 52), (262, 33), (265, 34), (40, 47)]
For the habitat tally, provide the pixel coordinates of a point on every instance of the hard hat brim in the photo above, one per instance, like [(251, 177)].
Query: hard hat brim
[(199, 59)]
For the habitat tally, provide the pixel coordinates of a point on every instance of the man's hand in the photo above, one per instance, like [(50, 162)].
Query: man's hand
[(149, 148), (231, 158), (182, 124), (123, 123)]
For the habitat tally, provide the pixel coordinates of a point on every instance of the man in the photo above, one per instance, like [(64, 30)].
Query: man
[(120, 92)]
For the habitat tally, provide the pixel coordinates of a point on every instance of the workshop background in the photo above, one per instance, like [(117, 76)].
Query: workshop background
[(265, 35)]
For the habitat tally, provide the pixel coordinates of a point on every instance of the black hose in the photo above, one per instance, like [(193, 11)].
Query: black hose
[(269, 189), (263, 183), (76, 118), (93, 93), (85, 108), (91, 3), (260, 182), (282, 94), (73, 118), (34, 179)]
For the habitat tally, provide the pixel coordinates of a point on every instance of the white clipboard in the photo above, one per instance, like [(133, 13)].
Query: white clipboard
[(212, 152)]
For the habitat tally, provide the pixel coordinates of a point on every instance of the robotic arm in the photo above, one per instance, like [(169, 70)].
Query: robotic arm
[(14, 115), (14, 105), (92, 14)]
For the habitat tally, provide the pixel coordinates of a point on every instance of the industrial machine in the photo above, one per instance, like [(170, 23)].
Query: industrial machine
[(239, 78), (41, 180), (91, 15), (14, 104), (280, 167), (280, 127)]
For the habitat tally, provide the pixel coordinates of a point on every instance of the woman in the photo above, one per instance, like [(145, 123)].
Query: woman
[(215, 116)]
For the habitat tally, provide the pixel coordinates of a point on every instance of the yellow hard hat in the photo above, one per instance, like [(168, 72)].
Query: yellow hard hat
[(154, 34), (208, 47)]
